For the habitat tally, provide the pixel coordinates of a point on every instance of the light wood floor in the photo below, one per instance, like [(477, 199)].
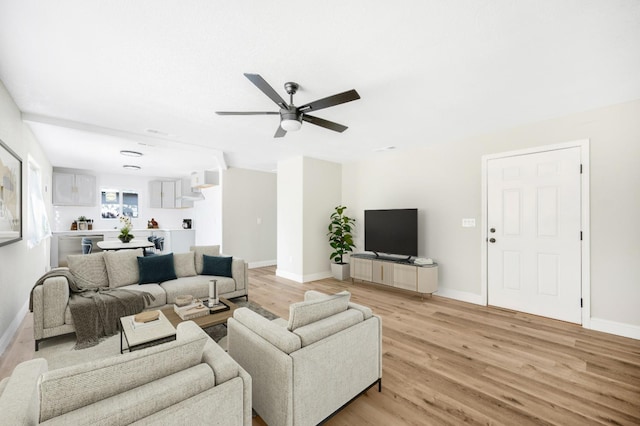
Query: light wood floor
[(448, 362)]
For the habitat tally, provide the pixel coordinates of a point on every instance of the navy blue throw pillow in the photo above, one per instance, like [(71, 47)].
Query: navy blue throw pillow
[(156, 269), (217, 265)]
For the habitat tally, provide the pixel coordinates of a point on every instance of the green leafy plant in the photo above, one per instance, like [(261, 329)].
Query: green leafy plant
[(125, 231), (340, 238)]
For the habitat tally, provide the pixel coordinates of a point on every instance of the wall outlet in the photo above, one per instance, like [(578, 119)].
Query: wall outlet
[(469, 223)]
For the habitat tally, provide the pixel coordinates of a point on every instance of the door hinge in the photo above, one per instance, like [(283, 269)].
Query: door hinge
[(580, 168), (581, 302)]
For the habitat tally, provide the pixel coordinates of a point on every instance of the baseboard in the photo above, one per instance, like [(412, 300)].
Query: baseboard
[(617, 328), (462, 296), (8, 335), (303, 278), (261, 264), (288, 275), (317, 276)]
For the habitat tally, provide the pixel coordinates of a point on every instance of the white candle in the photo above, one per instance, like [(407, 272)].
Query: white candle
[(211, 290), (215, 292)]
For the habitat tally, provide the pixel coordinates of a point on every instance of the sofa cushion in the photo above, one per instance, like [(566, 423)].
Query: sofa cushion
[(217, 265), (278, 336), (67, 389), (197, 286), (156, 269), (314, 295), (199, 251), (323, 328), (122, 267), (184, 264), (154, 289), (145, 400), (303, 313), (88, 270)]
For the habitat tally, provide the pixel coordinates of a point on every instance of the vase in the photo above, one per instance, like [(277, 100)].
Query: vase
[(125, 238)]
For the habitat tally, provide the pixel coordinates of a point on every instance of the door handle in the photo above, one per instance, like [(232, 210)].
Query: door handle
[(492, 230), (492, 240)]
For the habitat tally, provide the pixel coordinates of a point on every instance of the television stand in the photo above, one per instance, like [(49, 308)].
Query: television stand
[(394, 272)]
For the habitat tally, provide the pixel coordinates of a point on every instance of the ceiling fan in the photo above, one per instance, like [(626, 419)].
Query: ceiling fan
[(291, 116)]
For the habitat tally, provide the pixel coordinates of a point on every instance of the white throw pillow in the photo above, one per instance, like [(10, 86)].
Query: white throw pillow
[(88, 270), (303, 313), (184, 264), (122, 267)]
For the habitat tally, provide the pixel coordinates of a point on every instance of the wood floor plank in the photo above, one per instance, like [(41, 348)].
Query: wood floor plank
[(447, 362)]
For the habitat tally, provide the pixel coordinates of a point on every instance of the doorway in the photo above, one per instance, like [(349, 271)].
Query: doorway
[(535, 215)]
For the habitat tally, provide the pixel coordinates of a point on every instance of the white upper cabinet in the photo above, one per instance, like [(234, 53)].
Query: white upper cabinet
[(70, 189), (167, 194)]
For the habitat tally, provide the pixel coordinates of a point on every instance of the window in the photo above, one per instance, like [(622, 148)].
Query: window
[(38, 224), (115, 202)]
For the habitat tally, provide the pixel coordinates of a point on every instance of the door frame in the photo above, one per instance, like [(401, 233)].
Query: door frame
[(583, 144)]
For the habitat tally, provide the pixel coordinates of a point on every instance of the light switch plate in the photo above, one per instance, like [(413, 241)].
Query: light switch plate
[(469, 223)]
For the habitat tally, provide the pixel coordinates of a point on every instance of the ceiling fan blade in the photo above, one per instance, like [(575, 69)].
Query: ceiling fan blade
[(280, 132), (340, 98), (267, 89), (247, 113), (324, 123)]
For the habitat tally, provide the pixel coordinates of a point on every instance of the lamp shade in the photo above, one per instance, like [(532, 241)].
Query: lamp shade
[(290, 125)]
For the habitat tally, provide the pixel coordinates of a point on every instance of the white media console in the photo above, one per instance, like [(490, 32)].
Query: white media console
[(394, 273)]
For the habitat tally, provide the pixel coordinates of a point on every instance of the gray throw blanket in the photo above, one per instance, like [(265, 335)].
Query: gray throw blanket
[(96, 312)]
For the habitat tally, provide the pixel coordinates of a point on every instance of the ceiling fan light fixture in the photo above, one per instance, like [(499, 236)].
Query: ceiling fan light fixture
[(290, 125)]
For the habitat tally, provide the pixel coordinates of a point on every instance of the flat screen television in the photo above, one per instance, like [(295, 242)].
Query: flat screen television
[(391, 231)]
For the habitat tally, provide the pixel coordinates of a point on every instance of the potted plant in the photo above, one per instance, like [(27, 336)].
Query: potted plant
[(125, 232), (82, 223), (341, 241)]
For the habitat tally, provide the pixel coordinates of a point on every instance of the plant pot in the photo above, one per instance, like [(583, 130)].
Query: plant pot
[(340, 271), (125, 238), (82, 225)]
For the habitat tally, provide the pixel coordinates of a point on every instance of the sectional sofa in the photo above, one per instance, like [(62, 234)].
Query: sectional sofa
[(131, 270)]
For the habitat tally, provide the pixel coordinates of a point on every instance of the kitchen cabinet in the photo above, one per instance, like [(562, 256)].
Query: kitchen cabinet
[(71, 189), (167, 194)]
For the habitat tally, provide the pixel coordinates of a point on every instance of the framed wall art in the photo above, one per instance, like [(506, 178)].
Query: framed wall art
[(10, 196)]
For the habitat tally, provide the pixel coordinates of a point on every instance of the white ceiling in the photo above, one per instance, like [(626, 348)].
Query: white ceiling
[(94, 77)]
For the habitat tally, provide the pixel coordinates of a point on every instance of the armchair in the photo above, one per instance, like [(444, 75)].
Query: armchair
[(306, 369)]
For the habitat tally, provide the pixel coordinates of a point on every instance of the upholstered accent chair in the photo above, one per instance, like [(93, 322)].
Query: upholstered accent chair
[(188, 381), (304, 370)]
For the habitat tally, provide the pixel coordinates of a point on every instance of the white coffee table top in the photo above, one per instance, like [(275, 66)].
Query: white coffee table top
[(146, 332)]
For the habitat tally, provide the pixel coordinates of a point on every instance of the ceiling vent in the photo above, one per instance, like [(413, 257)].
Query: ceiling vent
[(204, 179)]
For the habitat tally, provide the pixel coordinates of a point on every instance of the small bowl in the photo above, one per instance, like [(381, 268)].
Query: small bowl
[(184, 300)]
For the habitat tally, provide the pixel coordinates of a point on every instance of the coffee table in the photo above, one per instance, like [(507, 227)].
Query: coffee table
[(164, 328), (204, 321), (143, 335)]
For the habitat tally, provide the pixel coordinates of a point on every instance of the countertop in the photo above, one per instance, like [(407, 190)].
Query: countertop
[(106, 230)]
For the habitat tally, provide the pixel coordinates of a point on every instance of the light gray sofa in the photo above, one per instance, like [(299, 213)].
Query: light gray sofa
[(119, 269), (188, 381), (304, 370)]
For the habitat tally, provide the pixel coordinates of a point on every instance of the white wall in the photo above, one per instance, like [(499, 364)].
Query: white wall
[(166, 218), (20, 266), (443, 180), (289, 206), (322, 193), (249, 215), (308, 191), (207, 217)]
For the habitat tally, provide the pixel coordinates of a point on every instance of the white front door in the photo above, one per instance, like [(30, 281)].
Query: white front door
[(534, 233)]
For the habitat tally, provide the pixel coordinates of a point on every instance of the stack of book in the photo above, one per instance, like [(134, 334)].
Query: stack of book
[(191, 311)]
